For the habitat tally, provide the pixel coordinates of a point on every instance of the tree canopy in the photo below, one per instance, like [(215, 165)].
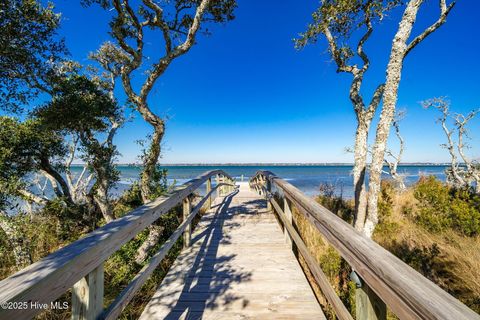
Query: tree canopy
[(29, 48)]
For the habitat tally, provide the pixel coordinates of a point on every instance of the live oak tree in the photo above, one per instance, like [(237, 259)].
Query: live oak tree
[(174, 25), (81, 108), (177, 23), (36, 154), (24, 149), (28, 49), (338, 21)]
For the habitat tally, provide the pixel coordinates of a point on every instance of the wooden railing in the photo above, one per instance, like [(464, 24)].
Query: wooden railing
[(382, 279), (80, 265)]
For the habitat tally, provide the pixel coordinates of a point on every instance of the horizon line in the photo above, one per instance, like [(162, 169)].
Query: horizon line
[(211, 164)]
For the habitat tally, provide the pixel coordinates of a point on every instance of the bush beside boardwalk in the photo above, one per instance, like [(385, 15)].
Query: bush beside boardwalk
[(433, 228)]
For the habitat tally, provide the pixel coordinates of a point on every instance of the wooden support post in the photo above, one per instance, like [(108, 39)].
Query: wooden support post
[(217, 179), (268, 186), (368, 305), (187, 234), (288, 215), (209, 189), (87, 296), (260, 182)]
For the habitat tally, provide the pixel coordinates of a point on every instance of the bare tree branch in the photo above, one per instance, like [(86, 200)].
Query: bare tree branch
[(444, 11)]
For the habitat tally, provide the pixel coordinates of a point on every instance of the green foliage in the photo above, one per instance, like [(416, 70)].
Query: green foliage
[(385, 209), (78, 105), (343, 17), (335, 203), (425, 260), (25, 147), (441, 207), (159, 183), (29, 48), (179, 20), (81, 108)]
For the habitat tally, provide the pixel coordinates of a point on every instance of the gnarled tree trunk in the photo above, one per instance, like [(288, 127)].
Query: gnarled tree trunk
[(151, 158), (390, 95), (359, 172)]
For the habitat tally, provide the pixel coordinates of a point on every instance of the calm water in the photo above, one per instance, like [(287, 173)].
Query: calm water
[(306, 178)]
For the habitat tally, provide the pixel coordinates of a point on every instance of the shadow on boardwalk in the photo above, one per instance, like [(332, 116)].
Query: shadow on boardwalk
[(238, 267), (210, 275)]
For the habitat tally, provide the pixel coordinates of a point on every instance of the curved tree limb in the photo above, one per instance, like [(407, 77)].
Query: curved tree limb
[(444, 11)]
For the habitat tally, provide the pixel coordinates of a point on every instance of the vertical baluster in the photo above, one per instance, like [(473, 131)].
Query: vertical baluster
[(217, 179), (288, 214), (209, 189), (187, 234), (368, 305), (87, 296), (268, 193)]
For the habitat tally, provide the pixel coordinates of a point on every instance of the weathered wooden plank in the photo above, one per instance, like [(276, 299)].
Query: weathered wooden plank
[(340, 310), (224, 274), (127, 294), (404, 290)]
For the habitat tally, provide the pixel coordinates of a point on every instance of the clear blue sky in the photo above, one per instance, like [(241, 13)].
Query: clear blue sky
[(244, 94)]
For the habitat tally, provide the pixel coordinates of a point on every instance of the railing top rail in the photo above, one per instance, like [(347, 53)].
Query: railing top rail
[(47, 279), (409, 294)]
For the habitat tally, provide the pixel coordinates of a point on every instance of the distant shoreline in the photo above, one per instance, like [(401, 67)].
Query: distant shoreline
[(320, 164)]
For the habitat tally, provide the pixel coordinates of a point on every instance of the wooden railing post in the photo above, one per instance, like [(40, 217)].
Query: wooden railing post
[(187, 234), (288, 214), (209, 189), (368, 305), (217, 179), (87, 296), (268, 186)]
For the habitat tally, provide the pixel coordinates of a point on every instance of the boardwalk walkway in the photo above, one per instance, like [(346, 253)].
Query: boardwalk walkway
[(238, 267)]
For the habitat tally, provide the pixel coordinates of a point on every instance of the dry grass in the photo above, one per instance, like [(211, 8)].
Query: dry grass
[(455, 267), (458, 260)]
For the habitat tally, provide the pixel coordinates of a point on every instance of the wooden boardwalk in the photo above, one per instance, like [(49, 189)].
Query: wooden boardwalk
[(238, 267)]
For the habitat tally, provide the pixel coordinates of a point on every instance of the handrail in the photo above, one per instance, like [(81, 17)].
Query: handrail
[(409, 294), (46, 280)]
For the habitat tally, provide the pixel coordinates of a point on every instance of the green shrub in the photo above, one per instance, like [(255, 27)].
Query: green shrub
[(386, 225), (428, 260), (441, 207), (327, 197)]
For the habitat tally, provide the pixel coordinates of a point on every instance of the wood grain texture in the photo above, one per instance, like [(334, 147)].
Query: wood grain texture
[(238, 267), (187, 234), (368, 305), (405, 291), (47, 279), (87, 296), (340, 311), (117, 306)]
